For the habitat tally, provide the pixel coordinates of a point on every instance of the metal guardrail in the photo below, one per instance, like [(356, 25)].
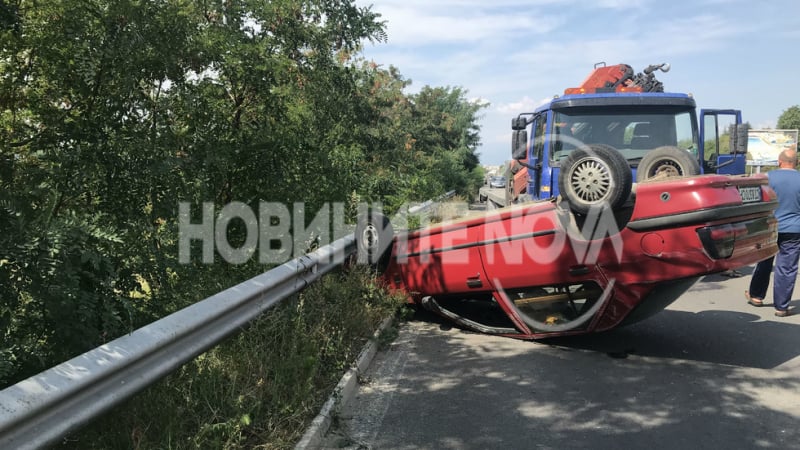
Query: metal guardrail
[(430, 203), (38, 411)]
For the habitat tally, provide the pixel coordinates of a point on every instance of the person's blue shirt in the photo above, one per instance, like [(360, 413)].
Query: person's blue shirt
[(786, 184)]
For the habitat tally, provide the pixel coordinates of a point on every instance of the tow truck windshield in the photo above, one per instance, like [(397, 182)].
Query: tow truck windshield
[(631, 131)]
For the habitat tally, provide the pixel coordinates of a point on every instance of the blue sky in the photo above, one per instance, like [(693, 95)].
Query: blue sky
[(514, 54)]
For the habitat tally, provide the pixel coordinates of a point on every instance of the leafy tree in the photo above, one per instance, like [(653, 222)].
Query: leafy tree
[(789, 119), (114, 111), (111, 112), (446, 123), (421, 145)]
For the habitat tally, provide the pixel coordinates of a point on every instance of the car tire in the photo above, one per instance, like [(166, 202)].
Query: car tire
[(594, 176), (374, 235), (665, 162)]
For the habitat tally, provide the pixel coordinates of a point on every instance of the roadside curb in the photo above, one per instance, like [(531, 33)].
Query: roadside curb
[(342, 393)]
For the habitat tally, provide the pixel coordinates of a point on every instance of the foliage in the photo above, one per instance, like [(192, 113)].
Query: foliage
[(789, 119), (261, 388), (114, 112), (421, 145)]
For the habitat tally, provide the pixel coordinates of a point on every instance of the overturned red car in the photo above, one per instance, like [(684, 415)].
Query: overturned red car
[(547, 268)]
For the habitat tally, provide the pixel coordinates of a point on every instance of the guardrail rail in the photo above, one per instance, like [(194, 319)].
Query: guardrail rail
[(42, 409)]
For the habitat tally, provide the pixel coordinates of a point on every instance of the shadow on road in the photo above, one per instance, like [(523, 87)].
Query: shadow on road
[(712, 336), (442, 387), (720, 337)]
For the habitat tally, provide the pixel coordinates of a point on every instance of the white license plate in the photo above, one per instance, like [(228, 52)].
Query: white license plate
[(750, 194)]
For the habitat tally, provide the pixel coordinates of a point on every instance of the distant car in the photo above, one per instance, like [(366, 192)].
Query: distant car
[(497, 182)]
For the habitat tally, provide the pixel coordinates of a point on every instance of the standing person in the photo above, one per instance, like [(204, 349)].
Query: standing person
[(785, 181)]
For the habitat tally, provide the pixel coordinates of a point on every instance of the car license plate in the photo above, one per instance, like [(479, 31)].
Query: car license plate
[(750, 194)]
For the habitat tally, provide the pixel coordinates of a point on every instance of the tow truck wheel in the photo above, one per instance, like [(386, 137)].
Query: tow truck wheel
[(374, 236), (595, 176), (665, 162)]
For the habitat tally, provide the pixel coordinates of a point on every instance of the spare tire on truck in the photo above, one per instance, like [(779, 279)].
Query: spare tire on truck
[(665, 162), (593, 176), (374, 235)]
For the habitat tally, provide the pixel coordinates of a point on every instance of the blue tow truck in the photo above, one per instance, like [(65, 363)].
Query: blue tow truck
[(632, 125)]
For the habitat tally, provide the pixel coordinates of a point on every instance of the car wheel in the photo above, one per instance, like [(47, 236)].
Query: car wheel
[(595, 176), (665, 162), (374, 236)]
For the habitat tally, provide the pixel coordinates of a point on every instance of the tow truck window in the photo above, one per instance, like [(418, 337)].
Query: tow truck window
[(538, 138), (633, 132)]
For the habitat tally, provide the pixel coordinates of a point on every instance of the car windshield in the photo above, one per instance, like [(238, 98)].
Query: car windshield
[(633, 131)]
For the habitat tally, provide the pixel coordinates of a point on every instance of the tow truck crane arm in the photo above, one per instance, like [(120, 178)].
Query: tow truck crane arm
[(620, 78)]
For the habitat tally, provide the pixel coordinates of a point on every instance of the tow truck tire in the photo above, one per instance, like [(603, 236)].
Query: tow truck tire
[(666, 162), (595, 176), (374, 235)]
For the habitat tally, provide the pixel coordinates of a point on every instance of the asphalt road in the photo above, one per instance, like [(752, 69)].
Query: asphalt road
[(709, 372)]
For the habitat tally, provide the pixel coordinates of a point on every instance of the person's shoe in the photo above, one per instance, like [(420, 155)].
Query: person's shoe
[(782, 312), (753, 301)]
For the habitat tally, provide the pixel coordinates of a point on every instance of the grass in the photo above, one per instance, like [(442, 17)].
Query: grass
[(262, 387)]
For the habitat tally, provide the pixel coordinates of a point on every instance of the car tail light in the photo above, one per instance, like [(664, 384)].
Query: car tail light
[(719, 240)]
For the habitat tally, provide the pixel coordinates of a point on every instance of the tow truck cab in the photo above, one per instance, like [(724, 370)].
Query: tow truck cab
[(634, 124)]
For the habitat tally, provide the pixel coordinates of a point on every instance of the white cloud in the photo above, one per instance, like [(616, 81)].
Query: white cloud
[(409, 26), (513, 52), (526, 104), (625, 5), (479, 101)]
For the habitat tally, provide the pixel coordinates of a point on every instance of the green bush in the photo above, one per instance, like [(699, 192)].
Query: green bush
[(112, 112), (261, 388)]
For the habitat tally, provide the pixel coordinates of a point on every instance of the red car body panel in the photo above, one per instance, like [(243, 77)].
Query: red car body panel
[(637, 261)]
